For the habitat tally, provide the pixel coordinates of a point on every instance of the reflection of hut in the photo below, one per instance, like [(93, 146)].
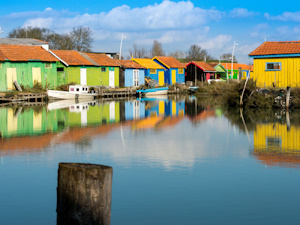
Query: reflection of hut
[(275, 144)]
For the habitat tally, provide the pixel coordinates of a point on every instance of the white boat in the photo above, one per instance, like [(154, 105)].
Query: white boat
[(153, 92), (77, 92)]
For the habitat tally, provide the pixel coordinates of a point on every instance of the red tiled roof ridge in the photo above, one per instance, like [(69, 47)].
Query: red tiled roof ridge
[(169, 61), (25, 53), (277, 48)]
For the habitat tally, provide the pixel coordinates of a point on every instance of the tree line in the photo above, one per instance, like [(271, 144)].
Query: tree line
[(194, 53), (80, 39)]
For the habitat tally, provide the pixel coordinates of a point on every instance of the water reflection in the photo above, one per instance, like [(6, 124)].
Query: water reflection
[(274, 135)]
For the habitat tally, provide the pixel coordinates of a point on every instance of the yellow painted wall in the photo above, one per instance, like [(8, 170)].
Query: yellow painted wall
[(289, 75), (289, 139)]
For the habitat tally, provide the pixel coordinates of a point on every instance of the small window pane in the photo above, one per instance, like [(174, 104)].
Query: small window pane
[(273, 66)]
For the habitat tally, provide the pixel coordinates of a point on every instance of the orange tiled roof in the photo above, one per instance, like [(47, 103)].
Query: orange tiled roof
[(129, 64), (213, 64), (170, 62), (102, 59), (277, 48), (72, 57), (25, 53), (236, 66), (203, 65)]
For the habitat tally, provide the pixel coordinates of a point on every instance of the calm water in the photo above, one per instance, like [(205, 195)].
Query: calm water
[(175, 161)]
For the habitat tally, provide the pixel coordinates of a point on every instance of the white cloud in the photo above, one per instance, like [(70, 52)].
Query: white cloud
[(39, 22), (216, 43), (167, 15), (286, 16), (242, 13), (259, 30)]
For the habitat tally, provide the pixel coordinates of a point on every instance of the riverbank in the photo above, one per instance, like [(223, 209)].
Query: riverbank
[(253, 97)]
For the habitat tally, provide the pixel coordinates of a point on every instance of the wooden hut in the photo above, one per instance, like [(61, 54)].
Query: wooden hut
[(153, 70), (26, 65), (174, 70), (200, 70), (277, 64), (109, 69), (73, 67), (132, 74)]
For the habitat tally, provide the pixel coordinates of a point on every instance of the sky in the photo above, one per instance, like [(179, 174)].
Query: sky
[(213, 25)]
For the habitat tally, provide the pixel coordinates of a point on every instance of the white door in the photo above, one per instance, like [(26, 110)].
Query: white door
[(83, 118), (136, 110), (112, 79), (83, 76), (11, 76), (112, 111), (136, 78), (36, 75)]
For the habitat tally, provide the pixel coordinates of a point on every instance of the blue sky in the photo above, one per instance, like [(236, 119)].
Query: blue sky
[(214, 25)]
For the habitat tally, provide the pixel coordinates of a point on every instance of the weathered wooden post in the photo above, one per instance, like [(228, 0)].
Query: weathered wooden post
[(288, 94), (84, 194)]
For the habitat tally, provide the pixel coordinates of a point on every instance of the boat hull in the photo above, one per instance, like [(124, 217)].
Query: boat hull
[(162, 92), (52, 94)]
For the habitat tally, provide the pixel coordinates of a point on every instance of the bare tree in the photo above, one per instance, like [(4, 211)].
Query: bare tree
[(196, 53), (138, 52), (79, 38), (30, 32), (227, 57), (157, 49), (82, 38), (177, 54)]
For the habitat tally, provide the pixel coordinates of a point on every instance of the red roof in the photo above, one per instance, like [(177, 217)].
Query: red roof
[(129, 64), (202, 65), (72, 57), (236, 66), (169, 62), (277, 48), (102, 59), (25, 53)]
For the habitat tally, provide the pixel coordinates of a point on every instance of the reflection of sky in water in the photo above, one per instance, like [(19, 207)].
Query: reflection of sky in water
[(194, 170)]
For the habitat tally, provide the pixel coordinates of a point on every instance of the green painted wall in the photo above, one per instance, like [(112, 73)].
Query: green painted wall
[(95, 76), (104, 76), (25, 121), (24, 74)]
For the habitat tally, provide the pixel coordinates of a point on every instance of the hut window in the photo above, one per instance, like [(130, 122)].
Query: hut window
[(152, 71), (273, 66), (180, 70), (48, 65), (60, 69), (103, 69)]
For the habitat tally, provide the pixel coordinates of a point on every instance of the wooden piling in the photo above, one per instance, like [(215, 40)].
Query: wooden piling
[(84, 194), (288, 95)]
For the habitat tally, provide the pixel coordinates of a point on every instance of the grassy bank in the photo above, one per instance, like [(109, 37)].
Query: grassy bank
[(254, 97)]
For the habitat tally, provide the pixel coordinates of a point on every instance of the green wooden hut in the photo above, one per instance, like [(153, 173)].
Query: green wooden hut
[(109, 69), (76, 67), (27, 65), (221, 71)]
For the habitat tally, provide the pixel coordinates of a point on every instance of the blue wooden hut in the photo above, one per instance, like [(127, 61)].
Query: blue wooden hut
[(132, 74), (153, 70), (174, 70)]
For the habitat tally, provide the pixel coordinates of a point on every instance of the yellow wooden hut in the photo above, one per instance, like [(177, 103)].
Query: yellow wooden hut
[(277, 64)]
